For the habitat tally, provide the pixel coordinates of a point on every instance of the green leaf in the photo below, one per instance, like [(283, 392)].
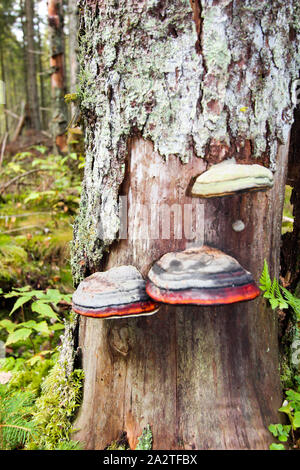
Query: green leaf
[(21, 301), (23, 289), (18, 335), (44, 310), (40, 148), (23, 293), (52, 295), (8, 325), (42, 327), (57, 326), (277, 447), (32, 196), (296, 421), (285, 409), (273, 429), (292, 395), (27, 324)]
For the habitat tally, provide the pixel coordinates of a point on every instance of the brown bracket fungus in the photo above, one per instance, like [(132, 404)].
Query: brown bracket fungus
[(202, 276), (116, 293), (228, 177)]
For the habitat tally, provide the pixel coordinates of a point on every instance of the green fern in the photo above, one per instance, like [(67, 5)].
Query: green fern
[(273, 292), (293, 301), (15, 418), (265, 280)]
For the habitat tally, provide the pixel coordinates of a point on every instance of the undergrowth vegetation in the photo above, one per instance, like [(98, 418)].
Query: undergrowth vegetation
[(38, 201), (279, 297), (39, 390)]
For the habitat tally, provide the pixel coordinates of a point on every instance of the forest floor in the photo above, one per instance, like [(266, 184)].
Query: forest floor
[(39, 199)]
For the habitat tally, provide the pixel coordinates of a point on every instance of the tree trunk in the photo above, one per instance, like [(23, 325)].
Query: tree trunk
[(33, 100), (41, 78), (73, 46), (59, 109), (2, 68), (167, 89), (291, 240)]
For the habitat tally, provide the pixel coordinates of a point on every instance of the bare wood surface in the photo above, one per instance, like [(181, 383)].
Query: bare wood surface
[(203, 378)]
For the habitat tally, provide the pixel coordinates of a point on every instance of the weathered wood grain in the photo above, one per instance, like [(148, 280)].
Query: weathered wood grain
[(203, 378)]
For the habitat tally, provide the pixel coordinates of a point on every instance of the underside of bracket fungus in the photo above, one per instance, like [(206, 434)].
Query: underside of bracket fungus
[(116, 293), (202, 276), (228, 177)]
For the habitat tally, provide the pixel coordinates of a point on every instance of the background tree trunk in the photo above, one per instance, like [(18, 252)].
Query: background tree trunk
[(291, 240), (73, 47), (2, 68), (33, 100), (59, 109), (182, 81), (41, 78)]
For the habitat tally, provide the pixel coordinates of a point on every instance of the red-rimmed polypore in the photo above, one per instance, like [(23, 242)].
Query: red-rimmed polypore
[(116, 293), (201, 276)]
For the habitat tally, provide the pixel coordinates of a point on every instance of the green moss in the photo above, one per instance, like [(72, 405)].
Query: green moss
[(116, 445), (145, 440), (28, 378), (55, 408), (60, 397)]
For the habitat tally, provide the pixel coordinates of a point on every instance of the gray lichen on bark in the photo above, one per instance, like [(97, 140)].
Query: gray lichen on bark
[(214, 87)]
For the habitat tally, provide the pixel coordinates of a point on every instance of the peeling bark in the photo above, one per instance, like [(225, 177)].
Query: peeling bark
[(167, 89), (142, 72)]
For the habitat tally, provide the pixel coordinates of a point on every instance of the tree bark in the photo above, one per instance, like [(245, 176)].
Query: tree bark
[(33, 100), (291, 240), (163, 84)]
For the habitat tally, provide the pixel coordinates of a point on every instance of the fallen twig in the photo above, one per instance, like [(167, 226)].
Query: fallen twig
[(16, 178), (20, 123), (19, 229)]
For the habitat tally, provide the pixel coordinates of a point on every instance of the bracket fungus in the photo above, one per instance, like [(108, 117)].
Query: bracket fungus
[(201, 276), (116, 293), (228, 177)]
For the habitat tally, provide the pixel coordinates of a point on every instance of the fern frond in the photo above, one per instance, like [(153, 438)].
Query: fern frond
[(265, 280), (15, 418), (293, 301)]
